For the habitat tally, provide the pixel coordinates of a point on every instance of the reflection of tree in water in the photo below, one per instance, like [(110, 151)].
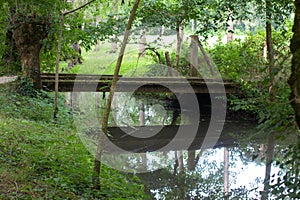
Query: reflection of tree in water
[(157, 108), (205, 182)]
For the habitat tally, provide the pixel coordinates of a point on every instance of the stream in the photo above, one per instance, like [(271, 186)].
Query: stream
[(188, 158)]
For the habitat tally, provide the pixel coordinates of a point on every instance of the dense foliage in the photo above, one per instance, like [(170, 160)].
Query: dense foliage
[(245, 63)]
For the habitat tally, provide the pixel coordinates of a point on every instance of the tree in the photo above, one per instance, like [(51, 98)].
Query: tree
[(97, 160), (34, 26), (294, 80), (30, 25)]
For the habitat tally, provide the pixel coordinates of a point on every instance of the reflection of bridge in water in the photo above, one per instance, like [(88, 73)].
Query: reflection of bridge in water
[(151, 138), (166, 134)]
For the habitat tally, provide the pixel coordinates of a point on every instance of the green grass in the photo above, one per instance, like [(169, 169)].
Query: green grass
[(40, 159), (101, 61)]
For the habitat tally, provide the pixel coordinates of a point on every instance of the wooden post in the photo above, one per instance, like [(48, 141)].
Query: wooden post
[(194, 55), (206, 59)]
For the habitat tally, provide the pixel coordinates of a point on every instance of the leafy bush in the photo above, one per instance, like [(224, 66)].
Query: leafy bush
[(240, 60), (25, 87), (244, 63), (246, 60)]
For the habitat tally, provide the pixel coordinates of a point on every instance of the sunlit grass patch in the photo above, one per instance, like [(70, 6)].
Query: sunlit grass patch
[(101, 61)]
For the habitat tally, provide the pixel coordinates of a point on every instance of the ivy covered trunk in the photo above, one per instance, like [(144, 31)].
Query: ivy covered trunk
[(28, 33), (294, 80)]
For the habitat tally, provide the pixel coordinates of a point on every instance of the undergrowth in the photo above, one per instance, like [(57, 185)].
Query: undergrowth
[(40, 159)]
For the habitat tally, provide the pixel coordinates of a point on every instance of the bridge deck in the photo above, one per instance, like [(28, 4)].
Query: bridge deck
[(102, 83)]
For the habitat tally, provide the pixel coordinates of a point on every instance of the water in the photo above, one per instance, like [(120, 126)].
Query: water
[(172, 171)]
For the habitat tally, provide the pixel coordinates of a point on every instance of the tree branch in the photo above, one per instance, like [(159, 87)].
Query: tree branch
[(80, 7)]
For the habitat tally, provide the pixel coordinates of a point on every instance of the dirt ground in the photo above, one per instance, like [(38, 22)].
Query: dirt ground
[(7, 79)]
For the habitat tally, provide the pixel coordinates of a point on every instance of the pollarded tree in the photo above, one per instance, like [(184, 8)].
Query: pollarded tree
[(30, 23), (34, 26)]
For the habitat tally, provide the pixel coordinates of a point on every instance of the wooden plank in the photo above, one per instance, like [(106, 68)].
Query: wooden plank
[(96, 83), (50, 76), (84, 86)]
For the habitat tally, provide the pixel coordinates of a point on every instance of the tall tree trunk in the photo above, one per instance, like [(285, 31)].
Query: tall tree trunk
[(168, 62), (230, 28), (180, 161), (270, 51), (179, 34), (114, 44), (294, 80), (28, 33), (57, 66), (270, 56), (97, 160), (142, 45)]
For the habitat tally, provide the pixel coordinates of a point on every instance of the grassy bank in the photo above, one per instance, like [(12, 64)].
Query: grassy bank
[(40, 159)]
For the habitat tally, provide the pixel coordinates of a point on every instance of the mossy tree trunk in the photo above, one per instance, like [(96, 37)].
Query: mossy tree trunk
[(294, 80), (28, 33)]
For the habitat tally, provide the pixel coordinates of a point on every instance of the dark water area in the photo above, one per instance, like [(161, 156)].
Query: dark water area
[(198, 155)]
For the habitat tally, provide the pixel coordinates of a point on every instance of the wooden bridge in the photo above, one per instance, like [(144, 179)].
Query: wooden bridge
[(204, 90), (102, 83)]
